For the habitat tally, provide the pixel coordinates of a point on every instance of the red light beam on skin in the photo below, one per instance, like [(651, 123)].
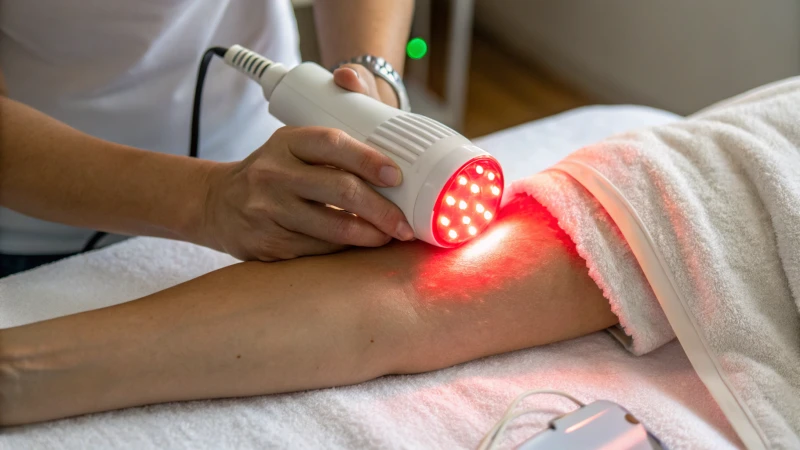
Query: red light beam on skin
[(521, 240), (490, 240)]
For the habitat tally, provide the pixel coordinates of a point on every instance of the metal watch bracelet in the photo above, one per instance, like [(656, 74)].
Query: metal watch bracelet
[(381, 68)]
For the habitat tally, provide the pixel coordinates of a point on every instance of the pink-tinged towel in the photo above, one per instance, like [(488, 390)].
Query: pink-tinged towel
[(693, 229)]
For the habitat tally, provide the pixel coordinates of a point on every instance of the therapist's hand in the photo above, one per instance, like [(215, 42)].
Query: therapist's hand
[(357, 78), (272, 205)]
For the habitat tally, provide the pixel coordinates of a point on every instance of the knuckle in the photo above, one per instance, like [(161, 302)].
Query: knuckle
[(332, 138), (369, 162), (349, 190), (269, 170), (345, 230), (254, 174), (276, 248), (283, 131), (388, 215), (260, 172)]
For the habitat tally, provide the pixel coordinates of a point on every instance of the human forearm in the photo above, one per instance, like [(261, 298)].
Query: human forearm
[(244, 330), (53, 172), (348, 28), (313, 322)]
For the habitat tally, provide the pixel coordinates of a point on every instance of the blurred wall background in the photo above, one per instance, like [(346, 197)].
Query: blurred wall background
[(529, 59), (679, 55)]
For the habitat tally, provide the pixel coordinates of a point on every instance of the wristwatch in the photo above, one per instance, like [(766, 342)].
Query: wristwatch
[(381, 68)]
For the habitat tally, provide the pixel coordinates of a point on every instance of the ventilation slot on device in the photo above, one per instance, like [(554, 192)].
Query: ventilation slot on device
[(407, 136)]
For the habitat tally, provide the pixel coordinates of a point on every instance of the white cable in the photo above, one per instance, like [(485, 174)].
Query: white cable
[(491, 438)]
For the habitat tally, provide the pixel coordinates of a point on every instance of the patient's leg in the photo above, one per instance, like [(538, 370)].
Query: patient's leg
[(257, 328)]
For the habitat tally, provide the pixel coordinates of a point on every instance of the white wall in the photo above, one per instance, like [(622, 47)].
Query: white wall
[(679, 55)]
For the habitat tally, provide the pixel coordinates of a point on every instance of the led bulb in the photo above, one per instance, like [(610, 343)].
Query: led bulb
[(462, 181), (474, 188), (465, 220), (462, 204), (479, 208), (450, 200), (444, 221)]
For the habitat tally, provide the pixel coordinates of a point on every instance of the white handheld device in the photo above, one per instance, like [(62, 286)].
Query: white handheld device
[(598, 425), (451, 189)]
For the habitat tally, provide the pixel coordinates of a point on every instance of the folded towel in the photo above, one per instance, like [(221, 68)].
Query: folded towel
[(702, 217)]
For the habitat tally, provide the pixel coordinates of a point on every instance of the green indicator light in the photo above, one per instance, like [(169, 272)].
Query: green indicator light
[(416, 48)]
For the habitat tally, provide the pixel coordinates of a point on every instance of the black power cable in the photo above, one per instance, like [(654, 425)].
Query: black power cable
[(194, 139)]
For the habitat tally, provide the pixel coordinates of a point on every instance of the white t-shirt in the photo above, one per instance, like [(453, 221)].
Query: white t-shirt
[(125, 71)]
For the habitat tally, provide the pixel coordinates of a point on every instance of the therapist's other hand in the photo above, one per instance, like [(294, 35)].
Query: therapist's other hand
[(272, 205), (357, 78)]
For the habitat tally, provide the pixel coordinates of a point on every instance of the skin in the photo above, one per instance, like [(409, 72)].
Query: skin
[(348, 28), (271, 206), (256, 328)]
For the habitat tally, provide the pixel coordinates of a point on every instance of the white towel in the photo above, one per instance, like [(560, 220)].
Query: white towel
[(444, 409), (702, 217)]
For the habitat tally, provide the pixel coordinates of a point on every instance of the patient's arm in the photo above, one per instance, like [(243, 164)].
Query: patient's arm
[(257, 328)]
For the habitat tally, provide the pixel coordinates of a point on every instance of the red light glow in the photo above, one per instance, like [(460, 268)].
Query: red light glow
[(474, 194), (522, 241), (486, 243)]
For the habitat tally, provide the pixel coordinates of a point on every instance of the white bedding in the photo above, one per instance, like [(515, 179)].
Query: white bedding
[(450, 408)]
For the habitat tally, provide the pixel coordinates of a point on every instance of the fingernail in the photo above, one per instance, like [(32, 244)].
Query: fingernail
[(354, 71), (404, 231), (390, 175)]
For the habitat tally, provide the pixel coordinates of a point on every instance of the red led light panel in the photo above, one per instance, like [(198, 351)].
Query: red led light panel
[(468, 202)]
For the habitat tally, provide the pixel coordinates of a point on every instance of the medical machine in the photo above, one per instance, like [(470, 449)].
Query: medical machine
[(451, 189), (598, 425)]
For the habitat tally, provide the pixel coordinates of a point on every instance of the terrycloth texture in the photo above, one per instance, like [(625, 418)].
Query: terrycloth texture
[(720, 195), (450, 408), (446, 409), (609, 259)]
